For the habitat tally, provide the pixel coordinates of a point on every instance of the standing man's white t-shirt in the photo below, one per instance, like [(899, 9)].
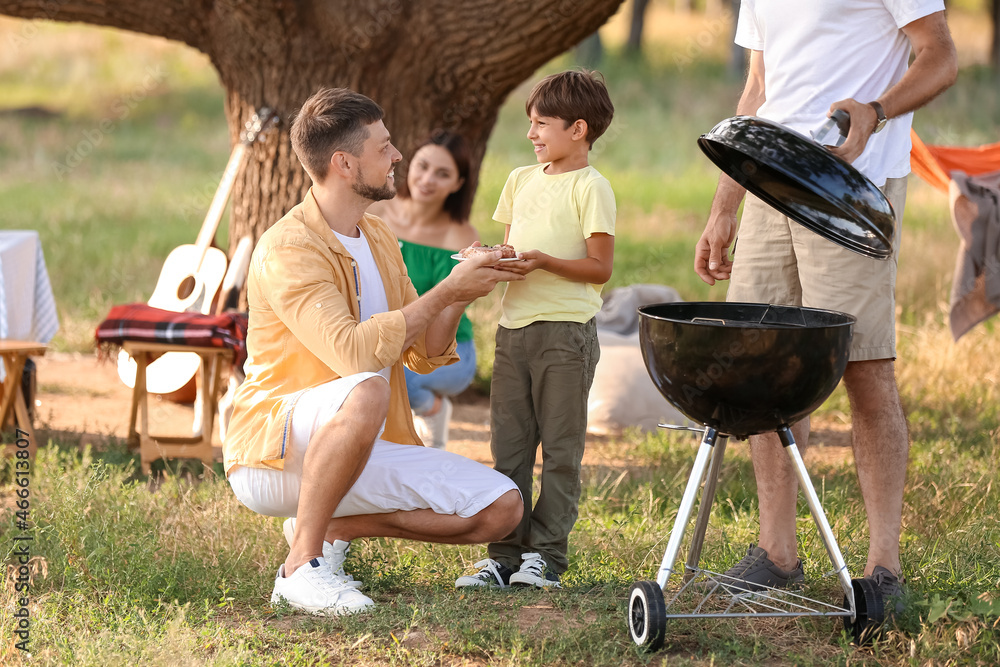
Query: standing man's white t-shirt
[(822, 51)]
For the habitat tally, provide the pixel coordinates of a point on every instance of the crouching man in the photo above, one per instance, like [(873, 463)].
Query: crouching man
[(321, 429)]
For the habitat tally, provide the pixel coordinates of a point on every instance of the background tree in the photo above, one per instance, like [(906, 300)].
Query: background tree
[(637, 23), (429, 63), (738, 57), (995, 44)]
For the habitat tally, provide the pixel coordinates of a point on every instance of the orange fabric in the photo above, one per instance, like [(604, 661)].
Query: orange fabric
[(934, 163)]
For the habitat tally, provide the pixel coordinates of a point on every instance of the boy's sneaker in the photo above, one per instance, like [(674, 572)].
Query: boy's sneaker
[(491, 575), (534, 572), (891, 589), (335, 554), (312, 588), (756, 572)]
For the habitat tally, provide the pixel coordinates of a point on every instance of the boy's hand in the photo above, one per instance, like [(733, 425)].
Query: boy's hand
[(530, 260), (594, 268), (477, 276)]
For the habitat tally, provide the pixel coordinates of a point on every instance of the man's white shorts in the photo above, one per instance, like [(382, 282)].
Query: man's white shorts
[(396, 477)]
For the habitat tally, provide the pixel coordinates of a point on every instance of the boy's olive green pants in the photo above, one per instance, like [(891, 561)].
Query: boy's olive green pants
[(541, 379)]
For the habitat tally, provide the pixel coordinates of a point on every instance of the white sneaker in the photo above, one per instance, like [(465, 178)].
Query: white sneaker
[(534, 572), (491, 575), (312, 588), (434, 429), (335, 554)]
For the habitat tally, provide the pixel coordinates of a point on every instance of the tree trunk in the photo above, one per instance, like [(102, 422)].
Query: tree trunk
[(738, 57), (590, 51), (638, 22), (429, 63), (995, 44)]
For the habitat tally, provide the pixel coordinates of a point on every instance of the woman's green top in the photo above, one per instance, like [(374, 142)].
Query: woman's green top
[(427, 266)]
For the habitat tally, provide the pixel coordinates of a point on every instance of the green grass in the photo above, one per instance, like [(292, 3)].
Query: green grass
[(177, 572), (181, 573)]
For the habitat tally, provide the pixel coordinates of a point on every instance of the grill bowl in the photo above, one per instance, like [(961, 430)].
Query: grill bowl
[(744, 368)]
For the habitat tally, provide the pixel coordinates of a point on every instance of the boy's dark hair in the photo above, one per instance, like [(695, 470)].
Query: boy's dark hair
[(458, 205), (573, 95), (331, 120)]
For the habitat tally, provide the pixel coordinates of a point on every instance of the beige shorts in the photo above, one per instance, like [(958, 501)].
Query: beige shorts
[(396, 477), (776, 260)]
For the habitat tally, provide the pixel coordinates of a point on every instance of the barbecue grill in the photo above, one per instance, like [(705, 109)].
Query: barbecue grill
[(742, 369)]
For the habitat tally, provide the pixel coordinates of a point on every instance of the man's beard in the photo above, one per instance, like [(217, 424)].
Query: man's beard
[(372, 192)]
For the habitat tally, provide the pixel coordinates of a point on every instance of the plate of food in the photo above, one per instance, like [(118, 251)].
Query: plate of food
[(509, 254)]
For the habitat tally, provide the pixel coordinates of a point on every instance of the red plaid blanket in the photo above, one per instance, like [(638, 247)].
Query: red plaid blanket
[(139, 321)]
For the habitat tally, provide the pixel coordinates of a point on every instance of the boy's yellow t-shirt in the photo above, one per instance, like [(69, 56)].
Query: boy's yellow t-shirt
[(554, 214)]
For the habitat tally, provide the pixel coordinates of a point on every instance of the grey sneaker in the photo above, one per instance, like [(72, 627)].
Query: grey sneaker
[(756, 572), (534, 572), (491, 575), (334, 554), (891, 589)]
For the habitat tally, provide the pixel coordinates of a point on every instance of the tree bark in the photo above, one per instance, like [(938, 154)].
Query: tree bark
[(429, 63)]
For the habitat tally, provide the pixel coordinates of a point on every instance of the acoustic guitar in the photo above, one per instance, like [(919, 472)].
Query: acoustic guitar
[(192, 273)]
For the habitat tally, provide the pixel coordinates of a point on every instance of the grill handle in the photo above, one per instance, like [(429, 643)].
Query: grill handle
[(783, 315)]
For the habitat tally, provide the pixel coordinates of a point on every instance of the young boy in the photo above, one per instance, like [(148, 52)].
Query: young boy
[(560, 217)]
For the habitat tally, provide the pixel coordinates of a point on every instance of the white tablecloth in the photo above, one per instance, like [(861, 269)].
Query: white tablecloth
[(27, 307)]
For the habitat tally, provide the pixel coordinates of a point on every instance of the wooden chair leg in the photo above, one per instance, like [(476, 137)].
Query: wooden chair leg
[(197, 445), (14, 365), (24, 420), (208, 382), (140, 402), (133, 434), (5, 423)]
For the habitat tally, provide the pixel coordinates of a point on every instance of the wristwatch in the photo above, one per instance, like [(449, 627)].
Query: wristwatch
[(880, 113)]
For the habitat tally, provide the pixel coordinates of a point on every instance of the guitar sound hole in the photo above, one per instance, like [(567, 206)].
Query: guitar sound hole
[(186, 287)]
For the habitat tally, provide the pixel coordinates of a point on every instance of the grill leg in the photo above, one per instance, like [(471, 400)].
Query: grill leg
[(825, 532), (705, 506), (687, 504)]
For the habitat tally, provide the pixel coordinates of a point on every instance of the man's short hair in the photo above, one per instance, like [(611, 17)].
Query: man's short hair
[(333, 119), (571, 96)]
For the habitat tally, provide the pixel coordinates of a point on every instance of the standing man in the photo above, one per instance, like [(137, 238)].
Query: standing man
[(806, 60), (321, 429)]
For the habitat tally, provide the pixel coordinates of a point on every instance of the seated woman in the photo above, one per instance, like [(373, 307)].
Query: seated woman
[(429, 216)]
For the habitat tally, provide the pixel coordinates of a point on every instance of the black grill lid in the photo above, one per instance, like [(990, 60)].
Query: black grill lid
[(804, 181)]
